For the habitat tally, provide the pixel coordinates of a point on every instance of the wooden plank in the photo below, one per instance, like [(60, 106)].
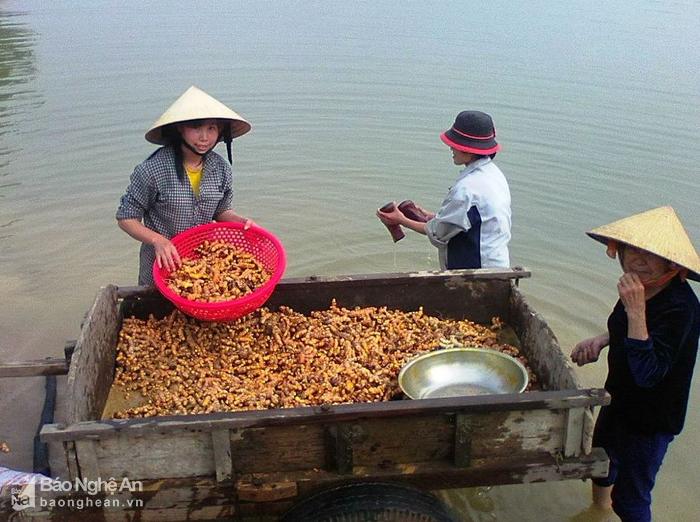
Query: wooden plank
[(250, 492), (438, 475), (280, 448), (58, 461), (221, 443), (157, 456), (446, 294), (573, 432), (32, 368), (86, 451), (376, 444), (541, 346), (71, 460), (194, 491), (170, 498), (327, 414), (588, 426), (341, 437), (463, 441), (453, 293), (92, 368), (384, 442), (127, 292)]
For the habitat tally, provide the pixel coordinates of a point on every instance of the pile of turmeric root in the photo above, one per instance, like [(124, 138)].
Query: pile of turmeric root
[(281, 359), (218, 271)]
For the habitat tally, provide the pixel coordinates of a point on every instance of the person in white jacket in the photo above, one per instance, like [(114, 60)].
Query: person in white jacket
[(472, 227)]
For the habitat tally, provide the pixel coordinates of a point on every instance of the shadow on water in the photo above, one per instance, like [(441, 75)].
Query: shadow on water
[(17, 71)]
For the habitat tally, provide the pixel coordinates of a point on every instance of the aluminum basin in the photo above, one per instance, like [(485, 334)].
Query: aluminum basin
[(457, 372)]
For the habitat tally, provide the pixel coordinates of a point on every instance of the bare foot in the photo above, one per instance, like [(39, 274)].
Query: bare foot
[(594, 513)]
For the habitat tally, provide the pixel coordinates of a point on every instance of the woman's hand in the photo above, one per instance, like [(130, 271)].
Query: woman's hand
[(588, 350), (632, 294), (427, 213), (166, 254), (395, 217), (633, 298)]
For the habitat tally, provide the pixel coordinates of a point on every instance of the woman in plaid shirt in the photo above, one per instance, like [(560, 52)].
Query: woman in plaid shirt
[(184, 183)]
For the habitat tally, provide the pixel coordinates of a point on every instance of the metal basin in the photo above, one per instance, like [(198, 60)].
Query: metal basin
[(456, 372)]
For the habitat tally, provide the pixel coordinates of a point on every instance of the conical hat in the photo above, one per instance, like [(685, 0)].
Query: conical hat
[(196, 104), (658, 231)]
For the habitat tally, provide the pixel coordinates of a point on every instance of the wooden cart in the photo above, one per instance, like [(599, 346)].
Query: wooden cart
[(260, 463)]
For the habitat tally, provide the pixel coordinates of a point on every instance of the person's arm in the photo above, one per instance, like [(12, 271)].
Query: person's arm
[(633, 297), (416, 226), (166, 253), (450, 220), (230, 215), (140, 196), (588, 350)]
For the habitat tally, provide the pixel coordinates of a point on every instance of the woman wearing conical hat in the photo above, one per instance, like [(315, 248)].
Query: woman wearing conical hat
[(184, 183), (653, 341)]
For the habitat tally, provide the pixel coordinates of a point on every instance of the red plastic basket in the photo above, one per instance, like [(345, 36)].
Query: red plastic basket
[(263, 245)]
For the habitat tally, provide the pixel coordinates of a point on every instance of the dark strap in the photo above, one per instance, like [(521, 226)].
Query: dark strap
[(228, 139)]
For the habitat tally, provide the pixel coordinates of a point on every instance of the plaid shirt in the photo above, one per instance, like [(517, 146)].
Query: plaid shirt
[(168, 205)]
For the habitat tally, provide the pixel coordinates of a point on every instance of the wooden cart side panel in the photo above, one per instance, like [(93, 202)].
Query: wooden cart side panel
[(378, 443), (202, 499), (325, 414), (92, 364), (477, 295), (509, 469), (375, 444), (445, 296), (158, 456), (541, 346), (281, 448)]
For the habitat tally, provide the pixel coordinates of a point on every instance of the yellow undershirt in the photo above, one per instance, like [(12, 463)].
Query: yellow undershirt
[(195, 176)]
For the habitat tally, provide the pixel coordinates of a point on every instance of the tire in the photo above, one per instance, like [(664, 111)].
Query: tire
[(370, 502)]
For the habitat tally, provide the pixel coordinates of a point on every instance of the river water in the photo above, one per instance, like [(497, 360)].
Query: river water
[(597, 107)]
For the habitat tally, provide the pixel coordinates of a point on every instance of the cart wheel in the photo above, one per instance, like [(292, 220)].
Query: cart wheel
[(370, 502)]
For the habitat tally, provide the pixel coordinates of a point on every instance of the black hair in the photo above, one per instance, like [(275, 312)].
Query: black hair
[(173, 138), (480, 156), (226, 135)]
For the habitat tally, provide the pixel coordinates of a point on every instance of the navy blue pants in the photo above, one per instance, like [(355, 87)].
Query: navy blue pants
[(635, 459)]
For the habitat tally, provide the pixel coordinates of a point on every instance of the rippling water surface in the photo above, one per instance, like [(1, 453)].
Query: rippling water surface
[(596, 106)]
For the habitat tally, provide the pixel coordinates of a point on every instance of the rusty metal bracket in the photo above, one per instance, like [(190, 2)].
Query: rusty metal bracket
[(463, 441)]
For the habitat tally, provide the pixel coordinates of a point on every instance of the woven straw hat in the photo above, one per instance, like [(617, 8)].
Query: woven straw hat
[(658, 231), (196, 104)]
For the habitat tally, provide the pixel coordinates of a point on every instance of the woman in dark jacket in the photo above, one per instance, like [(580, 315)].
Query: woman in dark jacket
[(653, 338)]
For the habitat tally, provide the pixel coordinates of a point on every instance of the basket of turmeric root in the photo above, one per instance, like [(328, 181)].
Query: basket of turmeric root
[(227, 271)]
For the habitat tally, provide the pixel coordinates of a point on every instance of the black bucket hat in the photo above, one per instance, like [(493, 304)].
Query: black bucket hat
[(472, 131)]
